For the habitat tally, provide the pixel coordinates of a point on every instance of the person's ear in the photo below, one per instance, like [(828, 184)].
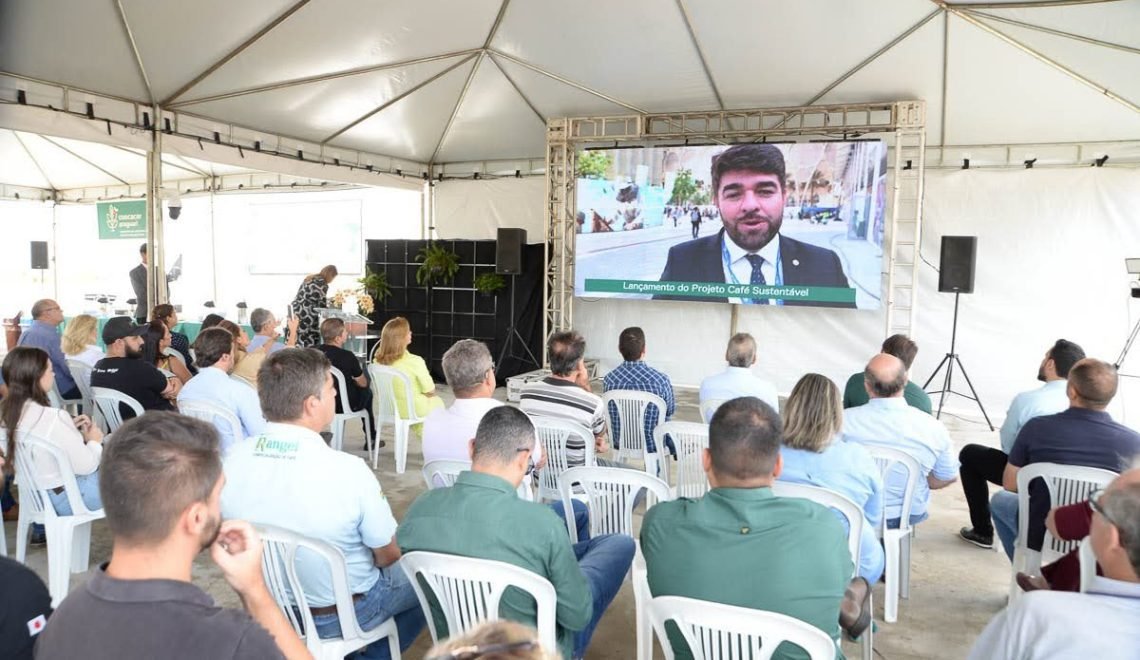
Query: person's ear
[(194, 519), (471, 449), (779, 467), (706, 460)]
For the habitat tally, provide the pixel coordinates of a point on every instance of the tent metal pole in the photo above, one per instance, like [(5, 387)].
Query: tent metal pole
[(1057, 33), (518, 90), (156, 245), (1030, 4), (700, 52), (945, 80), (72, 153), (458, 104), (566, 81), (134, 49), (33, 159)]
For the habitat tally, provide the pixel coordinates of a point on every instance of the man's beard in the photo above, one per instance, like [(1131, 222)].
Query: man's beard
[(1041, 372), (210, 534), (133, 353)]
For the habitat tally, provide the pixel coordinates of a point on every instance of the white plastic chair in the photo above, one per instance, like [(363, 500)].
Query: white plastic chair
[(468, 591), (1088, 564), (631, 408), (279, 549), (644, 628), (553, 435), (107, 402), (714, 631), (81, 374), (216, 415), (708, 407), (851, 512), (1067, 484), (173, 352), (689, 439), (896, 542), (610, 493), (57, 400), (341, 418), (68, 537), (384, 401), (442, 473)]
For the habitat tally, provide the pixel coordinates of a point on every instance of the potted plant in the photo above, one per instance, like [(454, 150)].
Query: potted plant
[(488, 283), (375, 284), (437, 265)]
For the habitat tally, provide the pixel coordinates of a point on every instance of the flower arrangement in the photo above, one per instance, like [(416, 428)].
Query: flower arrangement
[(362, 300)]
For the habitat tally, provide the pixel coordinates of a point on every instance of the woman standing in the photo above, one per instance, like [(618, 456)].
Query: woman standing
[(79, 340), (312, 295), (27, 411), (393, 352)]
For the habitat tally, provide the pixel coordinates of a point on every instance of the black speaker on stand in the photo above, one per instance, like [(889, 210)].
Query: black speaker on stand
[(508, 261), (40, 258), (956, 275)]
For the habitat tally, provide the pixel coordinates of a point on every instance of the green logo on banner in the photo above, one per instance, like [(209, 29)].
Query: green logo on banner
[(122, 219)]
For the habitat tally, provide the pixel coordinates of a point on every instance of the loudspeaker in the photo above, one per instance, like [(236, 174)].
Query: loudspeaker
[(508, 250), (39, 255), (957, 264)]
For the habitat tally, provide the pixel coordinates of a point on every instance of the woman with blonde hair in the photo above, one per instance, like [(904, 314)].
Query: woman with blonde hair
[(494, 640), (80, 340), (393, 352), (816, 454), (311, 296)]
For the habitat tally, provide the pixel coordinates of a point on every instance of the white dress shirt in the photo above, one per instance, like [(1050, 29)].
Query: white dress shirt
[(1049, 399), (447, 431), (734, 382), (740, 267), (215, 386), (55, 426)]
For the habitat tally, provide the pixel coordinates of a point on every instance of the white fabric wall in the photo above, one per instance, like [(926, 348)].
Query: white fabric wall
[(1051, 246), (475, 210)]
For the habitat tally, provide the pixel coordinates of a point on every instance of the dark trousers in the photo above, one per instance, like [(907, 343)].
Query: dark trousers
[(979, 465), (365, 403), (696, 229), (6, 499)]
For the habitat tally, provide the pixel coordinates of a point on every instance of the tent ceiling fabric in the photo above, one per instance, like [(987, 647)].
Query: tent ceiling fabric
[(442, 81)]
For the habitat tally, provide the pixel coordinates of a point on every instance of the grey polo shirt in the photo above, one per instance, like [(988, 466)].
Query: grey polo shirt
[(109, 619)]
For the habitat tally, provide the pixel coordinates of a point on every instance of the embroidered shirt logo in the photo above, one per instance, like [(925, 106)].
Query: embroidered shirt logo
[(36, 625)]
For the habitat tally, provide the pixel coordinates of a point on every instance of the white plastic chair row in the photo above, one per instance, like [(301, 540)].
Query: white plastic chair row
[(107, 402), (709, 406), (442, 473), (610, 495), (690, 439), (81, 374), (347, 413), (896, 542), (384, 404), (214, 414), (554, 435), (629, 408)]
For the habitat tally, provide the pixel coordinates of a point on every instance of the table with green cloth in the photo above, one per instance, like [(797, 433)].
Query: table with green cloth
[(188, 328)]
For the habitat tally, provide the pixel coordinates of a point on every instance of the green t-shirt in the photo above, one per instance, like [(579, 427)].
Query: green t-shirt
[(856, 395)]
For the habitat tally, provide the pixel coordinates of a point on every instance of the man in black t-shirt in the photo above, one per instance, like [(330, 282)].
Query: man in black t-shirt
[(123, 370), (24, 609), (334, 334)]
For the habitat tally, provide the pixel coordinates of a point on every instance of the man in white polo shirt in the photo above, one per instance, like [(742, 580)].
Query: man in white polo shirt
[(288, 477), (214, 349), (470, 374), (737, 379)]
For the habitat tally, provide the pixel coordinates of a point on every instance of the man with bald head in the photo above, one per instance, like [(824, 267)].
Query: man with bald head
[(1082, 435), (886, 420), (44, 335)]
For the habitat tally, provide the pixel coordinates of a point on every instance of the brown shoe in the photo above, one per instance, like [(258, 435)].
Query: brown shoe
[(855, 610), (1032, 582), (13, 514)]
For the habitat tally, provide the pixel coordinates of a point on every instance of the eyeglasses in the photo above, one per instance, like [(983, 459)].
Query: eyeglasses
[(1094, 502), (473, 652), (530, 460)]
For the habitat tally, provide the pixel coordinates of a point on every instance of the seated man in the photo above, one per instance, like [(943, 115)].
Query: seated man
[(982, 464), (142, 603), (470, 373), (44, 335), (741, 545), (264, 325), (634, 374), (289, 477), (481, 516), (887, 421), (1082, 435), (124, 369), (333, 335), (1100, 623), (738, 380), (215, 350), (904, 348)]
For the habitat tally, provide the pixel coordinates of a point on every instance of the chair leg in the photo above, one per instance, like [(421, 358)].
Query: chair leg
[(81, 548), (868, 638), (394, 643), (1018, 564), (904, 565), (891, 593), (3, 542), (23, 530), (337, 441), (403, 430), (59, 561)]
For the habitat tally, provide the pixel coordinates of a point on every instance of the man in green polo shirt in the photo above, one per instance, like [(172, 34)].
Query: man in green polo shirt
[(481, 516), (904, 348), (741, 545)]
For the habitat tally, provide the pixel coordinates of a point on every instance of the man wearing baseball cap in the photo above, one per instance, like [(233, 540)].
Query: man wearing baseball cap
[(123, 370)]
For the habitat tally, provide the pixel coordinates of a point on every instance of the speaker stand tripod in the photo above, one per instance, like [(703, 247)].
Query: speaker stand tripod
[(513, 336), (948, 361)]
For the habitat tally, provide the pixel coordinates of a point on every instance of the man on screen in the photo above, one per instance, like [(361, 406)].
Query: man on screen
[(748, 188)]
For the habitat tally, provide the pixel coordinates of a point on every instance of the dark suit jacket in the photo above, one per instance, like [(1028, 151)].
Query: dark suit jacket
[(138, 283), (700, 260)]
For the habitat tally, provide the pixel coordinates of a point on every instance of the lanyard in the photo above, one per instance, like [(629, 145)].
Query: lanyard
[(728, 267)]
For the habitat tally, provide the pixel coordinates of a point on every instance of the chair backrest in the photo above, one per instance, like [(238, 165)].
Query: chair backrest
[(442, 473), (81, 374), (1067, 484), (708, 407), (341, 388), (689, 439), (172, 352), (554, 434), (834, 501), (32, 452), (1088, 564), (279, 549), (107, 401), (626, 410), (889, 459), (714, 631), (611, 493), (212, 413), (384, 379), (468, 591)]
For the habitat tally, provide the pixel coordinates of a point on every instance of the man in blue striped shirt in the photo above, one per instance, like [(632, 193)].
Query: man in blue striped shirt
[(634, 374)]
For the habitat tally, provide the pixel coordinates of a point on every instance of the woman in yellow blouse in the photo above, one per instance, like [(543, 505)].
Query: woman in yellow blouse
[(393, 352)]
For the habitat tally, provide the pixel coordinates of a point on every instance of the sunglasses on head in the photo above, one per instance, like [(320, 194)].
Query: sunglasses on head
[(473, 652)]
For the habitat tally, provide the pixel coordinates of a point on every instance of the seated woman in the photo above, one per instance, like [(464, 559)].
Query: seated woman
[(815, 454), (26, 411), (156, 350), (80, 340), (247, 364), (178, 341), (393, 352)]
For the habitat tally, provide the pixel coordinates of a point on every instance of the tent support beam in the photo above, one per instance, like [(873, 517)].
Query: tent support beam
[(945, 78), (518, 90), (1022, 5), (34, 161), (235, 52), (566, 81), (700, 52), (134, 49), (191, 170), (495, 26), (75, 155), (1058, 33), (458, 104), (393, 100), (324, 77), (970, 18)]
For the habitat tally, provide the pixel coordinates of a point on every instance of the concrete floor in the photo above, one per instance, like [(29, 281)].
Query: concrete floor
[(955, 587)]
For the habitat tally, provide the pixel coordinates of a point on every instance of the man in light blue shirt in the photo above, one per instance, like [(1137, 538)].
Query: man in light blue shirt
[(289, 477), (264, 325), (738, 380), (887, 421), (215, 351), (44, 335), (982, 465)]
